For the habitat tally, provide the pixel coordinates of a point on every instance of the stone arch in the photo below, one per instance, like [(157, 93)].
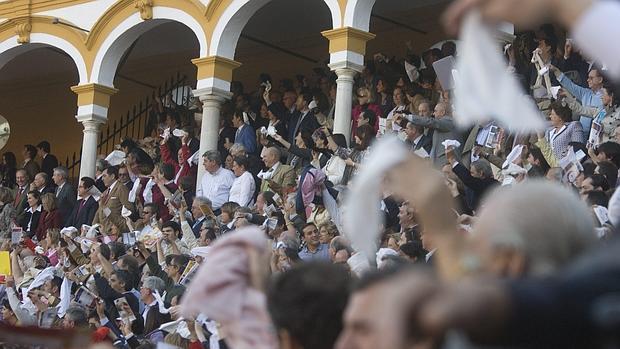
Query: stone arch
[(236, 15), (357, 14), (121, 35), (9, 49)]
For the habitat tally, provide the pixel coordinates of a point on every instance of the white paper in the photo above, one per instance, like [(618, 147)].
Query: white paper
[(125, 212), (422, 153), (412, 71), (451, 143), (484, 89), (555, 90)]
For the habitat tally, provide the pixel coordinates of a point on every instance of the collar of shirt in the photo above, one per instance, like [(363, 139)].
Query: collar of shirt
[(318, 249), (275, 167), (60, 187), (430, 254), (38, 209), (417, 140), (111, 186)]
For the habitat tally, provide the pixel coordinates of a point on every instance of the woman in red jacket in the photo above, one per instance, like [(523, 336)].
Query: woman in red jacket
[(50, 217), (366, 101)]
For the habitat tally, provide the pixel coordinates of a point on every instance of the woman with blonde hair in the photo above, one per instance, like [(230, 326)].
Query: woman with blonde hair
[(51, 244), (50, 217)]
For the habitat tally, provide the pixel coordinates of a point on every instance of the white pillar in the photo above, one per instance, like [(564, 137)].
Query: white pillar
[(209, 131), (344, 102), (89, 145)]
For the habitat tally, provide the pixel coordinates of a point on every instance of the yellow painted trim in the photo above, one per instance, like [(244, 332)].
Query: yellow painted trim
[(41, 24), (343, 9), (93, 94), (215, 67), (126, 8), (11, 8), (347, 39), (213, 5)]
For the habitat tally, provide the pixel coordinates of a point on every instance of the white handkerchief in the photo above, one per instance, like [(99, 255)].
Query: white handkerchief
[(484, 89), (178, 133), (115, 158), (451, 143), (412, 71), (514, 155), (271, 131), (125, 212), (555, 90), (194, 158)]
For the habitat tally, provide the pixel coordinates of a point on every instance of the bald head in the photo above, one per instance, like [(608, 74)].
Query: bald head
[(533, 228)]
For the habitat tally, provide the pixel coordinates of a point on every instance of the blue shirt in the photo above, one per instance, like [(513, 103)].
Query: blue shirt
[(321, 253), (586, 97)]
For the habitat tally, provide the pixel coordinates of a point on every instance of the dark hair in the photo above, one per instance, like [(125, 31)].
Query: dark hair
[(112, 170), (167, 170), (610, 171), (277, 109), (117, 248), (370, 115), (187, 182), (172, 224), (322, 103), (45, 146), (366, 134), (538, 155), (562, 111), (31, 150), (129, 144), (414, 250), (308, 301), (153, 208), (9, 158), (340, 140), (124, 277), (57, 281), (88, 182), (105, 251), (448, 48), (307, 97), (181, 261), (599, 181), (36, 194), (597, 197), (242, 161), (611, 150)]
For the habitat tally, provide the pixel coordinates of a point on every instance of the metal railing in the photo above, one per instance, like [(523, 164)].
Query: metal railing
[(135, 123)]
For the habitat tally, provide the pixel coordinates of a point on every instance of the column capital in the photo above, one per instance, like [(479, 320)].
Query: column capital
[(348, 39), (91, 120), (212, 94), (94, 94), (344, 72), (215, 67)]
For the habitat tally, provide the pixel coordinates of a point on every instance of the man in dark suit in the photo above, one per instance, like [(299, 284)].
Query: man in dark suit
[(84, 210), (226, 135), (304, 119), (478, 179), (65, 192), (123, 177), (30, 165), (48, 161), (245, 134), (416, 139), (21, 193), (42, 184)]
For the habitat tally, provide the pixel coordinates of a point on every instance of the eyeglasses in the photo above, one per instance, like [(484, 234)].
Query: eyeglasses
[(147, 212), (361, 96)]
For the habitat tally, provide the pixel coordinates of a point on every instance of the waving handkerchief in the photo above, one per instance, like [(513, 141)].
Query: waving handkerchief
[(365, 195), (484, 88), (451, 143)]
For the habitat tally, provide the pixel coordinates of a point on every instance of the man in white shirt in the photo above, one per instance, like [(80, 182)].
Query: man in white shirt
[(216, 182)]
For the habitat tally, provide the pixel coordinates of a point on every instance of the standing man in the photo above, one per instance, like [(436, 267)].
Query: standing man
[(48, 161), (112, 201), (21, 193), (84, 211), (30, 165), (65, 193), (245, 134)]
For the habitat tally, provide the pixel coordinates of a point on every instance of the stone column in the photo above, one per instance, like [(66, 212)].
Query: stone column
[(347, 47), (93, 104), (344, 102), (213, 89)]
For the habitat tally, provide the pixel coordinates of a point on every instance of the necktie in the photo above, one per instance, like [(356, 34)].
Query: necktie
[(82, 202), (18, 197)]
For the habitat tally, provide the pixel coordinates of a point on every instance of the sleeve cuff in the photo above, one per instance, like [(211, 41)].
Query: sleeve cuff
[(455, 164)]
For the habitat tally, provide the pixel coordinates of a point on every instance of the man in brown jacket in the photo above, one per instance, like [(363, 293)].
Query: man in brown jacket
[(112, 201)]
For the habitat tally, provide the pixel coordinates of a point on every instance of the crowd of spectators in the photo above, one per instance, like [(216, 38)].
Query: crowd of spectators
[(256, 252)]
